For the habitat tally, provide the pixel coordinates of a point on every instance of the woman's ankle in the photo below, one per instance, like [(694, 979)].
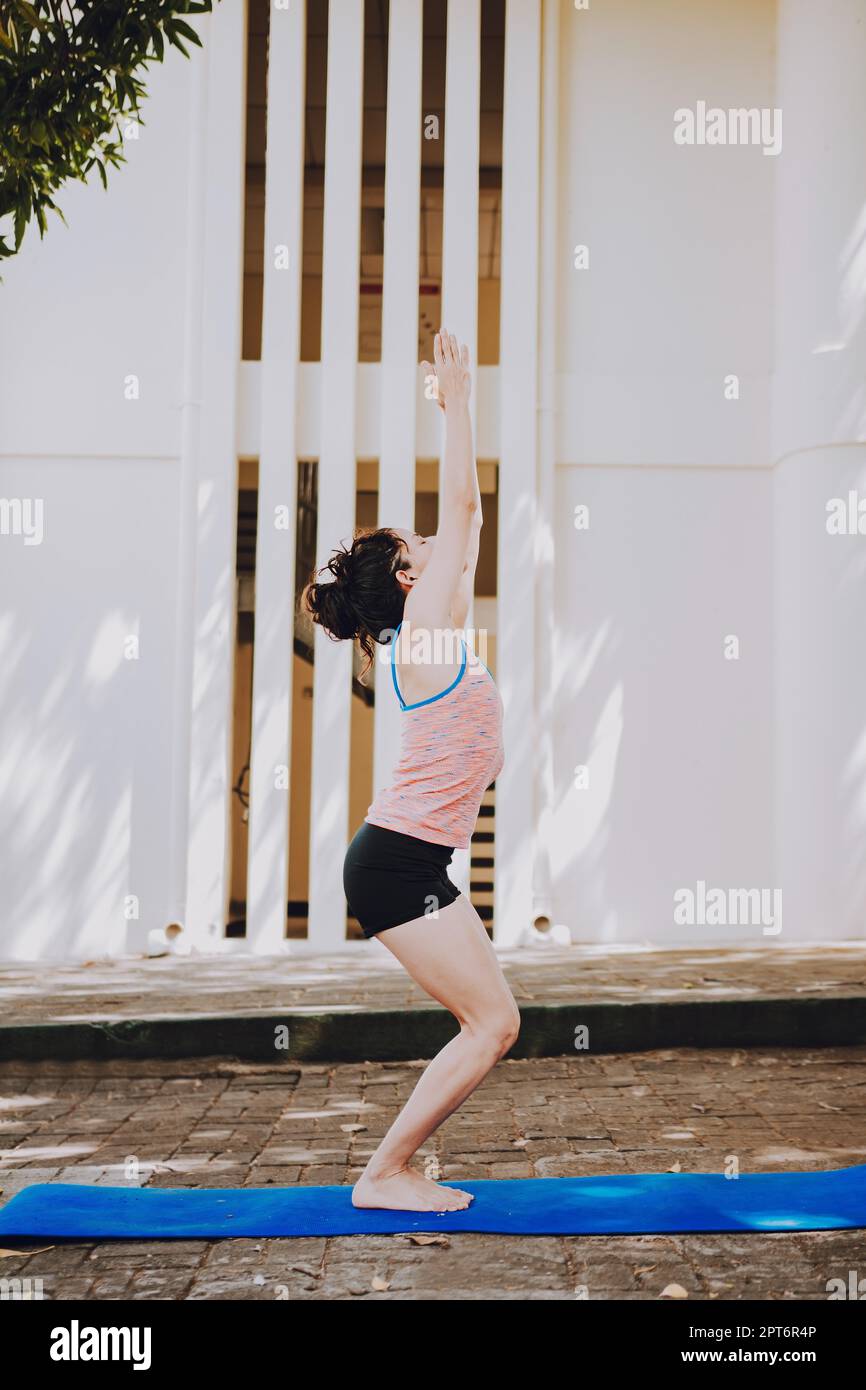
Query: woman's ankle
[(381, 1169)]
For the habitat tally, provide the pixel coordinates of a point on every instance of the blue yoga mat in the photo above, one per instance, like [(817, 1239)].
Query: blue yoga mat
[(645, 1203)]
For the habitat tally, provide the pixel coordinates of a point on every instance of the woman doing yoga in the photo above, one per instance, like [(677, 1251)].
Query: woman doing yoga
[(394, 584)]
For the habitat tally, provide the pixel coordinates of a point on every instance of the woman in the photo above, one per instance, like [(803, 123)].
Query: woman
[(414, 591)]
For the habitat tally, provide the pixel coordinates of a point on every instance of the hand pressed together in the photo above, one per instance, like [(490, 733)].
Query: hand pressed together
[(451, 376)]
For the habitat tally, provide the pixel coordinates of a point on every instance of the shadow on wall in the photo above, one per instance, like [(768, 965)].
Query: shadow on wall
[(663, 748), (821, 683), (87, 672)]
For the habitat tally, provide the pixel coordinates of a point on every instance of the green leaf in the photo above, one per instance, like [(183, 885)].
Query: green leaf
[(188, 32), (174, 40), (22, 217), (29, 13)]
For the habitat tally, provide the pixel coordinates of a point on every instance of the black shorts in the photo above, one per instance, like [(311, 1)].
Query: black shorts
[(389, 878)]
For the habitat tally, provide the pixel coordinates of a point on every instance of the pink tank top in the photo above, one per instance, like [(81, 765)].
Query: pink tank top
[(451, 750)]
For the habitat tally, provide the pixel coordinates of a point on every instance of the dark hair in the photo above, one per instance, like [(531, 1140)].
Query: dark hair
[(363, 598)]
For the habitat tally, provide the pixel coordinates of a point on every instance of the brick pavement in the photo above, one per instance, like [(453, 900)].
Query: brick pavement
[(220, 1123)]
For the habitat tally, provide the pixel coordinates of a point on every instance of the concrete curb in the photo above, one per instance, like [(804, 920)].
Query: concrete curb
[(398, 1035)]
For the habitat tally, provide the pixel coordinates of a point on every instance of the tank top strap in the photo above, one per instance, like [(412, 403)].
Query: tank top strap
[(431, 698)]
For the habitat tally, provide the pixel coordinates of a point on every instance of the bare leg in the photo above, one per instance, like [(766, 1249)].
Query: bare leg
[(452, 958)]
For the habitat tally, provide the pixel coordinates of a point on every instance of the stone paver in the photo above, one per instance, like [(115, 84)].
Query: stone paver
[(215, 1122), (368, 977)]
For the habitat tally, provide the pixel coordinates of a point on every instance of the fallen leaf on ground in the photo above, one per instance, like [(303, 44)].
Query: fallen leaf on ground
[(5, 1254), (379, 1284), (352, 1129), (673, 1291), (420, 1238)]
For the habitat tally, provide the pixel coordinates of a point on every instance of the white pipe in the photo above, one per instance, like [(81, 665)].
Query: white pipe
[(542, 890)]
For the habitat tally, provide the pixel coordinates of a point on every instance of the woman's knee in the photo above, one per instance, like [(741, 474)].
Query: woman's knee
[(513, 1028), (497, 1031)]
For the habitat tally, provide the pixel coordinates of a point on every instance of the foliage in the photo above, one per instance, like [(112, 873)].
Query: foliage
[(69, 75)]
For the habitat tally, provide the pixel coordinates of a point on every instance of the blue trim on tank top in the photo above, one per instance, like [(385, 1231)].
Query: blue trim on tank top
[(429, 701)]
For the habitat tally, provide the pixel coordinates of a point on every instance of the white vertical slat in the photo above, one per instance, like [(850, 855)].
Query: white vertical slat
[(190, 428), (216, 491), (460, 222), (545, 624), (270, 762), (515, 786), (336, 481), (399, 370), (460, 194)]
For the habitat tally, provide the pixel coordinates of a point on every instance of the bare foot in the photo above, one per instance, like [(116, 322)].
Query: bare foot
[(407, 1190)]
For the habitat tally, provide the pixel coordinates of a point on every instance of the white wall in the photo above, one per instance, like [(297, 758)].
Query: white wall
[(819, 442), (820, 630), (678, 294), (679, 290), (677, 738), (87, 734), (86, 752)]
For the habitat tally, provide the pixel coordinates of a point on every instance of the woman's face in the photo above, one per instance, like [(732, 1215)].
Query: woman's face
[(417, 551)]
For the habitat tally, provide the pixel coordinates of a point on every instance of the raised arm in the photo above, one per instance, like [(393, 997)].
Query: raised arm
[(466, 586), (429, 605)]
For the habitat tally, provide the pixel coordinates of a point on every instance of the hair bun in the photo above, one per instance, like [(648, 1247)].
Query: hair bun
[(360, 596), (330, 606)]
